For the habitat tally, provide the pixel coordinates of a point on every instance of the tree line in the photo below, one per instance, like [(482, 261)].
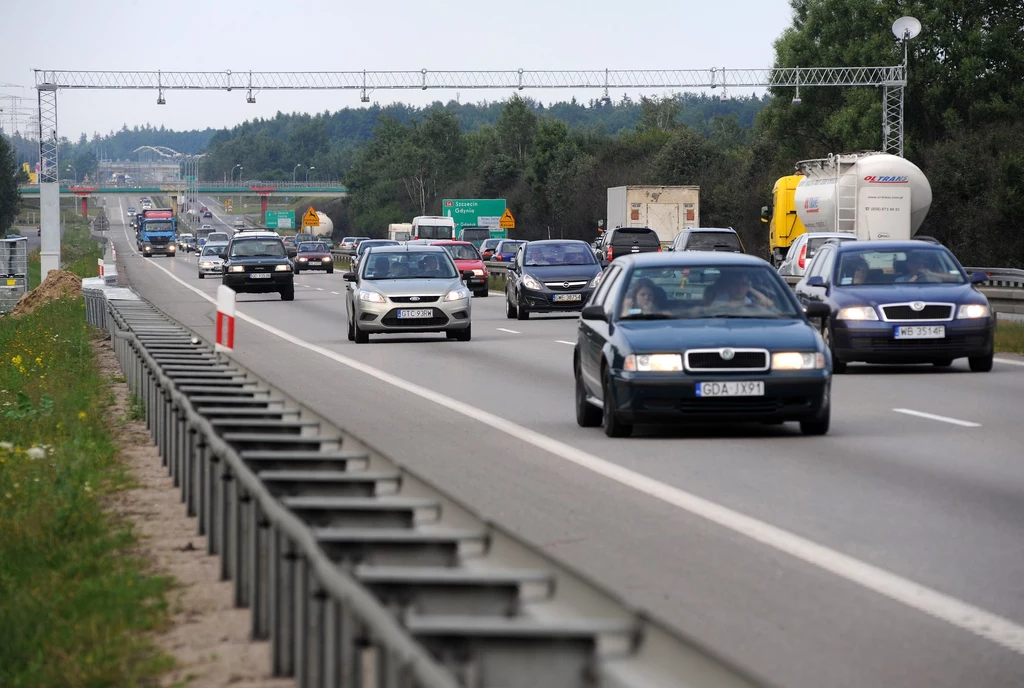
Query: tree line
[(554, 163)]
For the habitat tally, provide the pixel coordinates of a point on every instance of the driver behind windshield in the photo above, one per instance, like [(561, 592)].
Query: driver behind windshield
[(431, 267), (644, 298), (732, 291)]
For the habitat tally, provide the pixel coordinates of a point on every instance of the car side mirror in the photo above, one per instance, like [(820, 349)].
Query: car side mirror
[(467, 274), (222, 256), (594, 313), (350, 277), (511, 267), (978, 277), (817, 310), (764, 213), (815, 281)]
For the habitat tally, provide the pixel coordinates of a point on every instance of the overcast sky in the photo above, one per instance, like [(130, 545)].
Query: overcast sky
[(328, 35)]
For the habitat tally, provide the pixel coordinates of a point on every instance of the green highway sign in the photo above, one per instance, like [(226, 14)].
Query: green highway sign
[(482, 212), (281, 219)]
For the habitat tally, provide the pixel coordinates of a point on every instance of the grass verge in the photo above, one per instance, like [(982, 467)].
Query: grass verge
[(75, 602), (1010, 337)]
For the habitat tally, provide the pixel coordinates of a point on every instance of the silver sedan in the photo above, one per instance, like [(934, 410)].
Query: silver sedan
[(407, 289), (210, 262)]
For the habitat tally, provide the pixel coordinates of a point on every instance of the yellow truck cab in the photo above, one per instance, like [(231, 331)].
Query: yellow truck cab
[(784, 224)]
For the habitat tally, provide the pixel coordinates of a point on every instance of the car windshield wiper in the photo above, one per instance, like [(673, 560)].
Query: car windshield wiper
[(751, 317), (264, 255), (648, 316)]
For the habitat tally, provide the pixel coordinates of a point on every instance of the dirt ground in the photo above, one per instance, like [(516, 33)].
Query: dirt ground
[(208, 635), (58, 284)]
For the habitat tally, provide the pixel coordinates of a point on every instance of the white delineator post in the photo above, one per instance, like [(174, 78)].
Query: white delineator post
[(225, 319), (99, 263)]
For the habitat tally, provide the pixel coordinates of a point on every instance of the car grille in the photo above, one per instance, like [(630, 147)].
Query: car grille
[(259, 268), (566, 286), (712, 360), (414, 299), (158, 241), (931, 311), (392, 320), (884, 345)]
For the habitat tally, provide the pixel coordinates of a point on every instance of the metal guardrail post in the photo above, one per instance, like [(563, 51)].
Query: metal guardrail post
[(240, 553), (259, 539)]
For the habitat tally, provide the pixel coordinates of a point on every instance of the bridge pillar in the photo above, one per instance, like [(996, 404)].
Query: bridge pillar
[(85, 208), (83, 193), (263, 210), (263, 191)]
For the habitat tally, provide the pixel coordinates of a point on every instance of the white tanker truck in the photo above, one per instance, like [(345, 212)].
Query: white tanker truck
[(872, 195)]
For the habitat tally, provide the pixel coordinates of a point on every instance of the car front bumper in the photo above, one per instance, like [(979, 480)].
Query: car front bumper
[(672, 397), (544, 301), (381, 318), (216, 269), (242, 283), (314, 265), (875, 342)]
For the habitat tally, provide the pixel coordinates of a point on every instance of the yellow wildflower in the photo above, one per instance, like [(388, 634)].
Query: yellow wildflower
[(81, 415), (16, 360), (39, 360)]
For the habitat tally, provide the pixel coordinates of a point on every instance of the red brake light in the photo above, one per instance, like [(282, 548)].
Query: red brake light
[(609, 253), (803, 255)]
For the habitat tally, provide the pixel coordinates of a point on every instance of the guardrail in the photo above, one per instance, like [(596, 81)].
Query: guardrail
[(359, 572)]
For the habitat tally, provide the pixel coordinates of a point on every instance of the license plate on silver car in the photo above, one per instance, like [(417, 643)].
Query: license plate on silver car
[(259, 275), (568, 297), (732, 388), (415, 313)]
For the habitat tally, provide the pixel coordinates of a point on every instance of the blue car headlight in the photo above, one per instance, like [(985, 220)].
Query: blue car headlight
[(973, 310), (857, 313)]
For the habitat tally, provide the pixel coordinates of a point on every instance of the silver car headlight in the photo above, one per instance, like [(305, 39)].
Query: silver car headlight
[(857, 313), (206, 264), (973, 310), (457, 294), (795, 360), (530, 283), (371, 296)]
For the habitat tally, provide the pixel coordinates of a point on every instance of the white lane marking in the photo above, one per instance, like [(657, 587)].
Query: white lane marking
[(319, 288), (942, 419), (955, 612), (1008, 361), (562, 341), (335, 293), (505, 329)]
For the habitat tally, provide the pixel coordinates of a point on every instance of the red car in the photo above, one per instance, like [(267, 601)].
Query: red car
[(313, 255), (466, 258)]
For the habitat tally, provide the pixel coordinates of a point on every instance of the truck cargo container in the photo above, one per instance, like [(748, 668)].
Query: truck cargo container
[(665, 209)]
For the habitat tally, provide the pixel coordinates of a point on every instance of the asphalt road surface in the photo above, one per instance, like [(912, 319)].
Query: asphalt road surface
[(888, 553)]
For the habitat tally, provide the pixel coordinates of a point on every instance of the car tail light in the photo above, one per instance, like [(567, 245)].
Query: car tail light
[(609, 254), (802, 260)]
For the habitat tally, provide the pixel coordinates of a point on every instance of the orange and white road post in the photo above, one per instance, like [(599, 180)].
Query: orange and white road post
[(99, 264), (225, 319)]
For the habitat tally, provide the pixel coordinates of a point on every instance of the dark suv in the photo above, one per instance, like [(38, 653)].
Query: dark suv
[(707, 239), (624, 241), (256, 262)]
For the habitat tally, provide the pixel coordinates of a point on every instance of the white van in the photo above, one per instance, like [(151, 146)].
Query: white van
[(400, 232), (433, 228)]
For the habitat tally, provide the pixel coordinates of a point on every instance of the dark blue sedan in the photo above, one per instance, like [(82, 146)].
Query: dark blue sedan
[(899, 302), (699, 336)]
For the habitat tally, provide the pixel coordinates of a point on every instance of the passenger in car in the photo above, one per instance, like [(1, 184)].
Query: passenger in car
[(733, 290)]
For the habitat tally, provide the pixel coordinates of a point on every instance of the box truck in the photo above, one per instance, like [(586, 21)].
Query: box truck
[(665, 209)]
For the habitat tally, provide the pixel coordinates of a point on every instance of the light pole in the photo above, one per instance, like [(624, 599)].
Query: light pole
[(293, 171), (72, 169), (308, 171)]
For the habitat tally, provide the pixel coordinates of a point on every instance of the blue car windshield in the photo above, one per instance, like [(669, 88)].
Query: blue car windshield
[(879, 267), (706, 291)]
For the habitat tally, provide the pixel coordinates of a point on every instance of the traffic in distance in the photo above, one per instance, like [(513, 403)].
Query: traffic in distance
[(677, 322)]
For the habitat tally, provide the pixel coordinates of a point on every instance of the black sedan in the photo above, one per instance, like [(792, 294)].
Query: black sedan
[(699, 336), (550, 276), (899, 302)]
